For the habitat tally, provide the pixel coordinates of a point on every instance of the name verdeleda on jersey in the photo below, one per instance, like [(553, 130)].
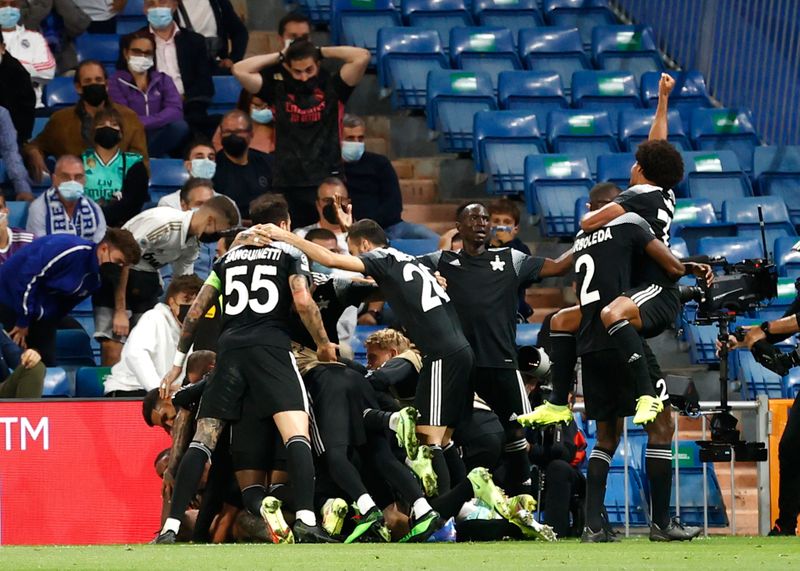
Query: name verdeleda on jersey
[(584, 242)]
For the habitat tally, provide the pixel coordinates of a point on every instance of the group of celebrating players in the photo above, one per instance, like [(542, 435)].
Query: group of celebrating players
[(408, 432)]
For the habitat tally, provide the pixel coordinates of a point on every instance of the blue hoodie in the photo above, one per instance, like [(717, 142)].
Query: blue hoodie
[(49, 277)]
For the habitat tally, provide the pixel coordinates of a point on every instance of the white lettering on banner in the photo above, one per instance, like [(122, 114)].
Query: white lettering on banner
[(26, 431)]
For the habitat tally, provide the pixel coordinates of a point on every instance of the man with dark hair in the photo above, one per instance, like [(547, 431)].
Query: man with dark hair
[(332, 195), (17, 94), (308, 104), (294, 26), (69, 130), (41, 286), (200, 161)]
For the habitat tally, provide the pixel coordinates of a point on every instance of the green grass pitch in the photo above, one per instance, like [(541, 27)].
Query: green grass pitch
[(740, 553)]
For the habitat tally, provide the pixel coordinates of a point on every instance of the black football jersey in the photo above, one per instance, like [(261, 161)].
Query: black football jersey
[(602, 261), (484, 290), (333, 295), (420, 303), (256, 297)]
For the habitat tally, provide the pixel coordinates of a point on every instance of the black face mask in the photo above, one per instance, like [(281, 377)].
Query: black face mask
[(234, 145), (209, 237), (107, 137), (329, 213), (109, 272), (183, 311), (94, 94), (304, 88)]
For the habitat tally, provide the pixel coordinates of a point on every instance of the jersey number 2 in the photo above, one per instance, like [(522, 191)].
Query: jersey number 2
[(432, 292), (258, 282), (587, 297)]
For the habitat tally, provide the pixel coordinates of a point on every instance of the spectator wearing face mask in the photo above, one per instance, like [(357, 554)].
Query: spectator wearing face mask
[(200, 161), (263, 126), (69, 130), (151, 94), (331, 190), (504, 217), (63, 209), (150, 348), (29, 47), (115, 180)]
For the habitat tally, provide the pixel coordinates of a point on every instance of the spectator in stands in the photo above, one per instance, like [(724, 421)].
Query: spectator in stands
[(103, 14), (29, 47), (308, 103), (21, 372), (64, 209), (182, 55), (73, 22), (373, 185), (504, 217), (329, 192), (192, 195), (200, 161), (263, 126), (69, 130), (216, 20), (115, 180), (243, 173), (17, 94), (11, 239), (294, 26), (12, 160), (56, 273), (151, 94), (150, 348)]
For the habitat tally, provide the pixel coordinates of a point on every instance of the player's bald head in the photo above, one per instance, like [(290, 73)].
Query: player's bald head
[(469, 208), (601, 194)]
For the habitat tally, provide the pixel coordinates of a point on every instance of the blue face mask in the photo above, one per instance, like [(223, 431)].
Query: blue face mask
[(159, 17), (203, 168), (262, 116), (352, 151), (318, 268), (70, 190), (9, 17)]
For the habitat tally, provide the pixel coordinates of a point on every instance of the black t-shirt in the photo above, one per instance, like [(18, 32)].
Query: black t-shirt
[(374, 189), (256, 298), (307, 125), (242, 184), (484, 289), (421, 304), (603, 262), (397, 377)]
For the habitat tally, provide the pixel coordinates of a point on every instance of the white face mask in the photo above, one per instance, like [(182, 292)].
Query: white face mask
[(140, 64)]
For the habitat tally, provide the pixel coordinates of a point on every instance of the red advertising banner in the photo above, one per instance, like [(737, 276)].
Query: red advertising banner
[(78, 472)]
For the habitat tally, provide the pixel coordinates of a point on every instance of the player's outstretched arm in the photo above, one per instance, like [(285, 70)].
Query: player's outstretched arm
[(181, 437), (657, 250), (660, 129), (597, 219), (315, 251), (558, 267), (312, 320)]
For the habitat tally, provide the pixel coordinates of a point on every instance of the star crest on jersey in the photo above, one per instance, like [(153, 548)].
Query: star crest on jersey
[(323, 304), (457, 262), (497, 264)]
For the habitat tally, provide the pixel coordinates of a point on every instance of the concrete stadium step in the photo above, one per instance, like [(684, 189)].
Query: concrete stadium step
[(424, 213), (541, 297), (419, 191)]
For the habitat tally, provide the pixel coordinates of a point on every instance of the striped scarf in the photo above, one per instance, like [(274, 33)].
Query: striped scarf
[(84, 220)]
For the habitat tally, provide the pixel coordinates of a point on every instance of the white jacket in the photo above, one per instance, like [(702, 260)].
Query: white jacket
[(32, 51), (148, 353)]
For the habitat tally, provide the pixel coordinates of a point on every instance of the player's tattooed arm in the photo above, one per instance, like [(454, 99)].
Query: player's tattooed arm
[(599, 218), (181, 436), (310, 315), (315, 251), (558, 267)]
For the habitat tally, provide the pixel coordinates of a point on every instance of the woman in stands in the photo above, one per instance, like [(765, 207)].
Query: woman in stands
[(263, 127), (115, 180), (151, 94)]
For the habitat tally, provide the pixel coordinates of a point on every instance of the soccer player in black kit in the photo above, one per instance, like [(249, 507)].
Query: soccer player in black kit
[(483, 284), (623, 244), (259, 284)]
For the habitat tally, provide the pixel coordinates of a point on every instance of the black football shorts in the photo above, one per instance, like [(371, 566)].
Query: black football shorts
[(504, 392), (658, 307), (444, 391)]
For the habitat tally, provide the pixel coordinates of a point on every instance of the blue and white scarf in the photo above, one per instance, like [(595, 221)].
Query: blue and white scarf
[(84, 221)]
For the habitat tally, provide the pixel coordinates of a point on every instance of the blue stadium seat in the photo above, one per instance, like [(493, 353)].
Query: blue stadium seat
[(38, 126), (695, 218), (757, 380), (553, 48), (226, 94), (728, 129), (679, 248), (318, 11), (611, 91), (777, 173), (743, 212), (356, 22), (90, 381), (581, 14), (405, 56), (581, 208), (634, 128), (615, 168), (702, 341), (2, 171), (166, 176), (638, 509), (59, 93), (787, 292), (439, 15), (787, 258), (715, 175), (536, 91), (130, 25), (102, 47), (528, 334), (792, 384), (552, 185), (360, 335), (502, 140), (132, 9), (689, 92), (626, 48), (733, 249), (57, 383), (453, 99), (513, 15), (74, 348), (17, 213), (416, 247), (690, 477), (483, 49), (586, 133)]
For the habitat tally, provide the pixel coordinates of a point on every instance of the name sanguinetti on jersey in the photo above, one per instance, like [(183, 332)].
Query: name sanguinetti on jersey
[(251, 255)]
